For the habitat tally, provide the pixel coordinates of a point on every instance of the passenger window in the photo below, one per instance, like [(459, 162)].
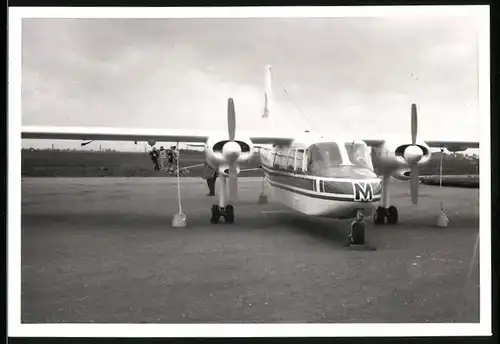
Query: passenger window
[(270, 160), (299, 158), (309, 161), (291, 160), (278, 158), (284, 158), (265, 156)]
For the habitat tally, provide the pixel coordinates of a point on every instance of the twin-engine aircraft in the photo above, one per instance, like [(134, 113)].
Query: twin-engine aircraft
[(315, 174)]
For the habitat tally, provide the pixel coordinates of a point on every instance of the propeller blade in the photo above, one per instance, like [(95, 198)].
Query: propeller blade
[(231, 119), (233, 183), (414, 124), (414, 181), (86, 143)]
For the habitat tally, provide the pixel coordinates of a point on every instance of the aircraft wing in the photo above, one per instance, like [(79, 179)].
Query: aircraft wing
[(112, 134), (133, 134), (452, 146), (374, 143)]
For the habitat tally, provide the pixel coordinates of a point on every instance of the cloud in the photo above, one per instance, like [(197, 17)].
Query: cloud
[(349, 75)]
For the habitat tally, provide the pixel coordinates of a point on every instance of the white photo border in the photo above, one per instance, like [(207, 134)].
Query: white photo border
[(16, 328)]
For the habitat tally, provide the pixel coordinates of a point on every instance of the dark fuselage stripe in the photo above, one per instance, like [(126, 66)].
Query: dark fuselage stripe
[(324, 197), (331, 187), (296, 181)]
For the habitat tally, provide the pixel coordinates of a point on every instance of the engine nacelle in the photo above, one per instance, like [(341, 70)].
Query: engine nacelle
[(394, 158), (218, 157), (409, 151), (402, 174), (456, 148), (224, 170)]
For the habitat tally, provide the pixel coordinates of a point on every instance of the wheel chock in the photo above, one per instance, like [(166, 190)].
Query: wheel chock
[(442, 220), (358, 232), (179, 220)]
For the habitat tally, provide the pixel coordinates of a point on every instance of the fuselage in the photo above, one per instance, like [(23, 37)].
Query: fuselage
[(321, 177)]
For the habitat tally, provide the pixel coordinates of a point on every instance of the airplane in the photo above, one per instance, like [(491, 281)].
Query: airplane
[(316, 174)]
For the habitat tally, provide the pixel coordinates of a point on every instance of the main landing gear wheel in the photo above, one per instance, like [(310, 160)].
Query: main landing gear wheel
[(229, 214), (218, 212), (215, 214), (390, 213)]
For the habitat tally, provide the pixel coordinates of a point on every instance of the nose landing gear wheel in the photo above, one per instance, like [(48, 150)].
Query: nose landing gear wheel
[(218, 212)]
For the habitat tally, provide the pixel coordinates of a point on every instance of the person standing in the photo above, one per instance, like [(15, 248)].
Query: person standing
[(211, 175), (154, 157), (163, 158), (172, 158)]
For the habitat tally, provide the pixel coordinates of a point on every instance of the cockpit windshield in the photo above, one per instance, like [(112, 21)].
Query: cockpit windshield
[(359, 154), (322, 156)]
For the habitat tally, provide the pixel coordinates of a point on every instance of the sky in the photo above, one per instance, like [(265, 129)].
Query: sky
[(354, 76)]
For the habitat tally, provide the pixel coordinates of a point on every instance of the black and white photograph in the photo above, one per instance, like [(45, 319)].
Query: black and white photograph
[(189, 166)]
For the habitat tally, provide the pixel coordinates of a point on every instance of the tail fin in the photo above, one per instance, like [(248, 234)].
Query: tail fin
[(268, 92)]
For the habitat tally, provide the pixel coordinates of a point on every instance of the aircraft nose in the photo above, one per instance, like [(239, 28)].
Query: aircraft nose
[(351, 180), (348, 187)]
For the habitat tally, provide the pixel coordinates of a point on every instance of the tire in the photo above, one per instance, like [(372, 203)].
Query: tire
[(229, 214), (392, 215), (215, 214), (379, 216)]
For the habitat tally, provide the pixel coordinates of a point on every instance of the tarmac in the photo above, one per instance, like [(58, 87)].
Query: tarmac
[(466, 180), (103, 250)]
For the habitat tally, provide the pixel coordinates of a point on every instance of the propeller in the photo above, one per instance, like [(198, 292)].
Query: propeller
[(231, 119), (413, 154), (86, 143), (414, 124), (232, 151)]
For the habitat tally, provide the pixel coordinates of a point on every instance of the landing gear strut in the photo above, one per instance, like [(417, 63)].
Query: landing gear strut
[(221, 209), (381, 214), (226, 212)]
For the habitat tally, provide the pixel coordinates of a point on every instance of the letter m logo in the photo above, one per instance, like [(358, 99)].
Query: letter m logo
[(363, 191)]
